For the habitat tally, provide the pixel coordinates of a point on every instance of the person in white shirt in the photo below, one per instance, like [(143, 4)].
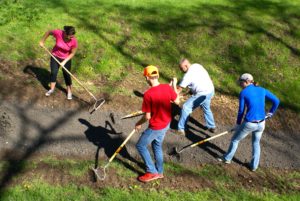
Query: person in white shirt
[(197, 79)]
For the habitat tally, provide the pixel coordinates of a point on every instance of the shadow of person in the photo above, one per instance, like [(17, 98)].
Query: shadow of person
[(176, 111), (209, 147), (42, 75), (108, 139)]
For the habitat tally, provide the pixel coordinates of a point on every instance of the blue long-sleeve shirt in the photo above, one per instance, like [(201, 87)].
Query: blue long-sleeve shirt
[(253, 98)]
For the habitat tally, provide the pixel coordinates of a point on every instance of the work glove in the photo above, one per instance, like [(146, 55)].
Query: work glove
[(235, 128), (269, 115)]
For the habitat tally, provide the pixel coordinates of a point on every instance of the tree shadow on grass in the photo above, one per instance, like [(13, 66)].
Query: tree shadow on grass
[(213, 19), (109, 139)]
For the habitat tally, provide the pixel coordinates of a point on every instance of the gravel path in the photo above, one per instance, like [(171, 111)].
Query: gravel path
[(32, 130)]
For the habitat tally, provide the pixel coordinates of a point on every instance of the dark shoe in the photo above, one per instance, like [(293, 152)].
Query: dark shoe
[(222, 159), (149, 177), (212, 130)]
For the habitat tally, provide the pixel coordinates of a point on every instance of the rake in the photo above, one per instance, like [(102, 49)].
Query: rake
[(133, 114), (98, 102), (101, 175), (176, 152)]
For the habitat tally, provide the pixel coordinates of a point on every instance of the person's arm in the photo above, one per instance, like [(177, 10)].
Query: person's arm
[(174, 96), (73, 52), (275, 102), (241, 109), (177, 89), (146, 117), (177, 100), (46, 35)]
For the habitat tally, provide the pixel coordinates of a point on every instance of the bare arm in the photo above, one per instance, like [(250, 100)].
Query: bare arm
[(177, 100), (69, 57), (46, 35), (176, 88), (146, 117)]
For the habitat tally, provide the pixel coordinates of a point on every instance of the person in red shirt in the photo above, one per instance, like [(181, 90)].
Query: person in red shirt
[(157, 108), (64, 50)]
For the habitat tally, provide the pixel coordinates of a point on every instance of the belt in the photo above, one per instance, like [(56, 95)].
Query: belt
[(258, 121)]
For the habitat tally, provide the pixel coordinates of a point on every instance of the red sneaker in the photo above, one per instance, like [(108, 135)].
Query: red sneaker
[(149, 177), (160, 176)]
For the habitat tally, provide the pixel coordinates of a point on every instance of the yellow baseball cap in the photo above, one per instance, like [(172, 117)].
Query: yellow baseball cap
[(150, 71)]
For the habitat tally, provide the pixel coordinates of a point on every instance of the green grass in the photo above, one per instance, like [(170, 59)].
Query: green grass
[(32, 187), (228, 37), (74, 167), (40, 191), (37, 190)]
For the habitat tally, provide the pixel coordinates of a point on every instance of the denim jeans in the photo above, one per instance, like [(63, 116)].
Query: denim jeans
[(191, 104), (155, 138), (247, 127)]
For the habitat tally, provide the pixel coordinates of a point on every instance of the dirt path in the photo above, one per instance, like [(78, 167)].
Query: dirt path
[(31, 123), (34, 129)]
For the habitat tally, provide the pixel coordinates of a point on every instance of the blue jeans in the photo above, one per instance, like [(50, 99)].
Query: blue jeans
[(191, 104), (247, 127), (155, 138)]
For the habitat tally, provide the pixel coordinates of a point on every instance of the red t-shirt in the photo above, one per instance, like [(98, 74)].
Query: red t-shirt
[(62, 49), (157, 102)]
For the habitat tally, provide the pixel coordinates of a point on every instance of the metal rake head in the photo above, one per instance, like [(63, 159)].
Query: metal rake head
[(175, 153), (97, 105), (100, 173)]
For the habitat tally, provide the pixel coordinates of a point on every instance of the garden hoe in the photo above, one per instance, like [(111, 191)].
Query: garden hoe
[(98, 102), (101, 172), (176, 153)]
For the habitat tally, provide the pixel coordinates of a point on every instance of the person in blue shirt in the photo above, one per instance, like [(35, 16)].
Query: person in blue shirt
[(253, 98)]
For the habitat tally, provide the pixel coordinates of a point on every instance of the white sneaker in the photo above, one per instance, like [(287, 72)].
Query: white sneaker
[(69, 96), (48, 93), (222, 159)]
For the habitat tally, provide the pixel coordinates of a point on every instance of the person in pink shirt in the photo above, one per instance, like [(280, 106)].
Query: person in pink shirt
[(64, 50)]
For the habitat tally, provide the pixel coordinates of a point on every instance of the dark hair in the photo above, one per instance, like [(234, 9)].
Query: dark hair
[(255, 83), (69, 30), (252, 81)]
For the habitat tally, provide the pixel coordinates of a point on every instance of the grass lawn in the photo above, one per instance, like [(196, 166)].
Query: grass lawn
[(121, 36), (50, 179)]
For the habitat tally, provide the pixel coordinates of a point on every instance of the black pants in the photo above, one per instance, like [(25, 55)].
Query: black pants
[(54, 70)]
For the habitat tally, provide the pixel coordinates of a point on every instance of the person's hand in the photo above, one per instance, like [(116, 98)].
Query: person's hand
[(235, 128), (138, 127), (269, 115), (174, 81), (41, 43), (63, 63)]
